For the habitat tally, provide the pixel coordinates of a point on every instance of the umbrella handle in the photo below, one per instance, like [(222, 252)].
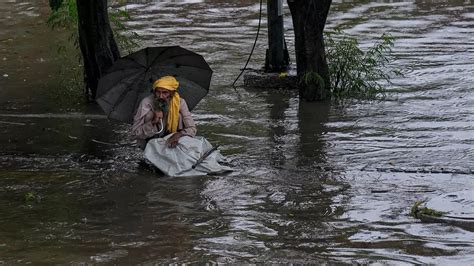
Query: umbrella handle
[(161, 126)]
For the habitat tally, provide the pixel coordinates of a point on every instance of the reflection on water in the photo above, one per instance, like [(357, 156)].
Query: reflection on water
[(313, 182)]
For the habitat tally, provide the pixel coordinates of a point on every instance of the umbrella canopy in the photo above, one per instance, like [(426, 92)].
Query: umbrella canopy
[(130, 79)]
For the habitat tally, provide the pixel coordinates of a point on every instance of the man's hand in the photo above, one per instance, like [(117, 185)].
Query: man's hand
[(173, 140), (157, 116)]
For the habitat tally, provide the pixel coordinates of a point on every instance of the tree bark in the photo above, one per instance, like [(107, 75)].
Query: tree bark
[(96, 40), (309, 18)]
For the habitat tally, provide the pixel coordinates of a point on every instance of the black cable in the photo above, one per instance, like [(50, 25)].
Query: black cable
[(253, 48)]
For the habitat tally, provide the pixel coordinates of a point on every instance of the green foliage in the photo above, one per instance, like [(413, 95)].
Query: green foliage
[(55, 4), (313, 86), (355, 73), (64, 16), (313, 79), (414, 208), (431, 212), (30, 197), (127, 40), (416, 211)]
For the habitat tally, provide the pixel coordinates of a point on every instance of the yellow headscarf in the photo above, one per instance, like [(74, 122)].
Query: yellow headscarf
[(171, 84)]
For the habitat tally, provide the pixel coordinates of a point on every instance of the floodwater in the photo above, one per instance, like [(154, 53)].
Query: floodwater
[(313, 182)]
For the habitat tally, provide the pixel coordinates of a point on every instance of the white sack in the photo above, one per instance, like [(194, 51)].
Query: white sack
[(178, 161)]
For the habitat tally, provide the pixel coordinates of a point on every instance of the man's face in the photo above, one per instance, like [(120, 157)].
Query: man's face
[(163, 94)]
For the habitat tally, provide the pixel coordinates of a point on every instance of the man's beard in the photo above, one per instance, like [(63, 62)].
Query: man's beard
[(160, 105)]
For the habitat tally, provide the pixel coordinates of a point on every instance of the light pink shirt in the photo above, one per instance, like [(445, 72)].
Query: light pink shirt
[(143, 128)]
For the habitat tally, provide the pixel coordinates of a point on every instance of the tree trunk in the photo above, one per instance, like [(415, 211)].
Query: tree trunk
[(55, 4), (98, 46), (309, 19)]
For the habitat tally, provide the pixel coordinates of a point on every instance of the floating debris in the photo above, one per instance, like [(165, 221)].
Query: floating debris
[(454, 208)]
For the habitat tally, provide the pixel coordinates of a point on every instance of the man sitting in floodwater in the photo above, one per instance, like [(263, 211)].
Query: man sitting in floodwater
[(162, 113)]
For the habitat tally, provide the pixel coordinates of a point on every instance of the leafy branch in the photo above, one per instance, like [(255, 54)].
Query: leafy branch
[(355, 73)]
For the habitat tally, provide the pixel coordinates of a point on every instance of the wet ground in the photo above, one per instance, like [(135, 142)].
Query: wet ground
[(312, 183)]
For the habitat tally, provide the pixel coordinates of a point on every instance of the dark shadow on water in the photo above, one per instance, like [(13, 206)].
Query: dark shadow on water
[(303, 195), (312, 118), (279, 127), (297, 130)]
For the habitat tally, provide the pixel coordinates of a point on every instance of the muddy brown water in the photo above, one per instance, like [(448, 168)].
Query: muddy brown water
[(312, 182)]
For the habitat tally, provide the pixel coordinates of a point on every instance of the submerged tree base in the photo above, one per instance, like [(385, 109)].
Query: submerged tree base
[(264, 80)]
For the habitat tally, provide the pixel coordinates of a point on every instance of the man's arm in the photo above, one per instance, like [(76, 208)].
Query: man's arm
[(142, 122), (189, 127)]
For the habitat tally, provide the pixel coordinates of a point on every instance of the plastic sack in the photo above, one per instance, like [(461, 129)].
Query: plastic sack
[(179, 161)]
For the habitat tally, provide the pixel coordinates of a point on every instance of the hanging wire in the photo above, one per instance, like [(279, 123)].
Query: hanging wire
[(253, 48)]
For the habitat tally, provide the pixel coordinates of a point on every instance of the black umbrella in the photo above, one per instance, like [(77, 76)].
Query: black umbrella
[(130, 79)]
